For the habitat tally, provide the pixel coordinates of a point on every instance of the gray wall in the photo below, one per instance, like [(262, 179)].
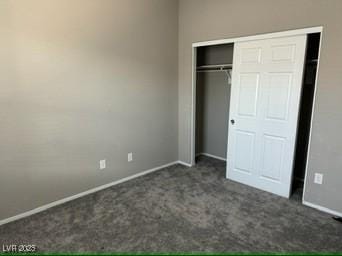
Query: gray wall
[(81, 81), (212, 101), (212, 113), (215, 54), (202, 20)]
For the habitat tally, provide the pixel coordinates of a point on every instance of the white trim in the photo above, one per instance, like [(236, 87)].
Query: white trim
[(312, 115), (287, 33), (212, 156), (90, 191), (184, 163), (193, 109), (323, 209)]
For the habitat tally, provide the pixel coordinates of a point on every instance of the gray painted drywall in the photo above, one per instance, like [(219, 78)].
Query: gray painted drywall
[(212, 112), (85, 80), (215, 54), (81, 81), (212, 101), (202, 20)]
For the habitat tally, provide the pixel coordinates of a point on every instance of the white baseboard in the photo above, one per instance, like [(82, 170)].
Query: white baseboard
[(90, 191), (184, 163), (323, 209), (212, 156)]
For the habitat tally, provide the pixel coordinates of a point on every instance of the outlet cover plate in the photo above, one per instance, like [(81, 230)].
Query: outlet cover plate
[(318, 178), (102, 164), (130, 157)]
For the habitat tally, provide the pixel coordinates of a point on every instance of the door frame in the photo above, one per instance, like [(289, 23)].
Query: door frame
[(287, 33)]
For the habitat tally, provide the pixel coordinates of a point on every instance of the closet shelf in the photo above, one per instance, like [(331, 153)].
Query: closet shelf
[(220, 67)]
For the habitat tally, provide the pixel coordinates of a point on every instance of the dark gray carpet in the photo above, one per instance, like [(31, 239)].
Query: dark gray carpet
[(179, 209)]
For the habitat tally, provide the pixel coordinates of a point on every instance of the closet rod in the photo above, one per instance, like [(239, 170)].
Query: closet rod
[(213, 70), (226, 68), (211, 67)]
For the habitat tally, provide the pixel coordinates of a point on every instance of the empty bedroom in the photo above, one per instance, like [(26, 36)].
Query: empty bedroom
[(170, 127)]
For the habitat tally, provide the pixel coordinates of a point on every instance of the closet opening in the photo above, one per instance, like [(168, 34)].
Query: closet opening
[(260, 106), (305, 115), (213, 82)]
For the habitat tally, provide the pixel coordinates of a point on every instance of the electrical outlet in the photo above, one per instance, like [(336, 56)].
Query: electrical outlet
[(130, 157), (102, 164), (318, 178)]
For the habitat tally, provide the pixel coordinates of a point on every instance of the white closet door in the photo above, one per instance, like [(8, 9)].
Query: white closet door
[(265, 95)]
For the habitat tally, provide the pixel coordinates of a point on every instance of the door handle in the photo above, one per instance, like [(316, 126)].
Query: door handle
[(232, 121)]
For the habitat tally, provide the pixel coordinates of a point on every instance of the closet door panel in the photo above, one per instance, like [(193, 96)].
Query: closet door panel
[(248, 94), (266, 86), (244, 148), (278, 96)]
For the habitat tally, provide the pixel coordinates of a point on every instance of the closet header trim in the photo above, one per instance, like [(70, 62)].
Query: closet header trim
[(287, 33)]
